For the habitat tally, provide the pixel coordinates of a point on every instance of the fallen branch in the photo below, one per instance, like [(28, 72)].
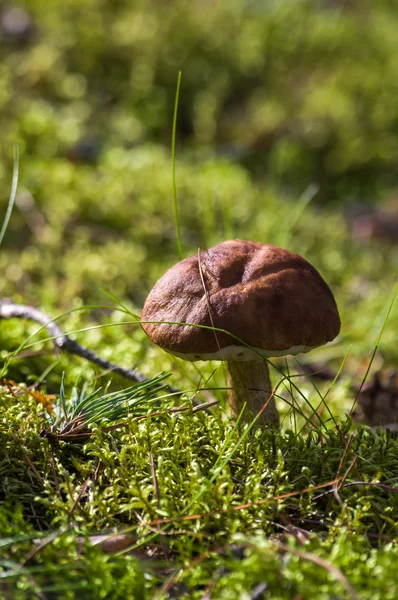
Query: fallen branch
[(9, 310)]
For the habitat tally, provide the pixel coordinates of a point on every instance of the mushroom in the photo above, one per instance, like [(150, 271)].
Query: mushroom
[(241, 302)]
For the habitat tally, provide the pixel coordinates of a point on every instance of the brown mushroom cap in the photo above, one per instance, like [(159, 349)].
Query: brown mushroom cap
[(268, 297)]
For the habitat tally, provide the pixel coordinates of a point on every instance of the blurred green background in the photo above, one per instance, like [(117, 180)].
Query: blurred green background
[(287, 133)]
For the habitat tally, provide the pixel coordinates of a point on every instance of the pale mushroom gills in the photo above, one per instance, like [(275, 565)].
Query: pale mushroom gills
[(270, 301)]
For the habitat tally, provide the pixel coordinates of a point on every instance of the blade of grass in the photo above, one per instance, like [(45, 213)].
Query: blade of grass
[(375, 348), (323, 397), (119, 304), (173, 162), (62, 397), (299, 208), (13, 194), (297, 389)]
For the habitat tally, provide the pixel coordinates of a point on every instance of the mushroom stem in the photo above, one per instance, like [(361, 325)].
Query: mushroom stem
[(249, 383)]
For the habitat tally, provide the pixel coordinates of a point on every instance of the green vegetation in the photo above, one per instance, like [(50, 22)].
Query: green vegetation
[(216, 502), (287, 123)]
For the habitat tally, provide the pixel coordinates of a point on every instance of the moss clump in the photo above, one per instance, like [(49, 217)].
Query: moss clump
[(196, 495)]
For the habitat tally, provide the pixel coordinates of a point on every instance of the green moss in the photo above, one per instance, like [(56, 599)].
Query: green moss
[(214, 491)]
